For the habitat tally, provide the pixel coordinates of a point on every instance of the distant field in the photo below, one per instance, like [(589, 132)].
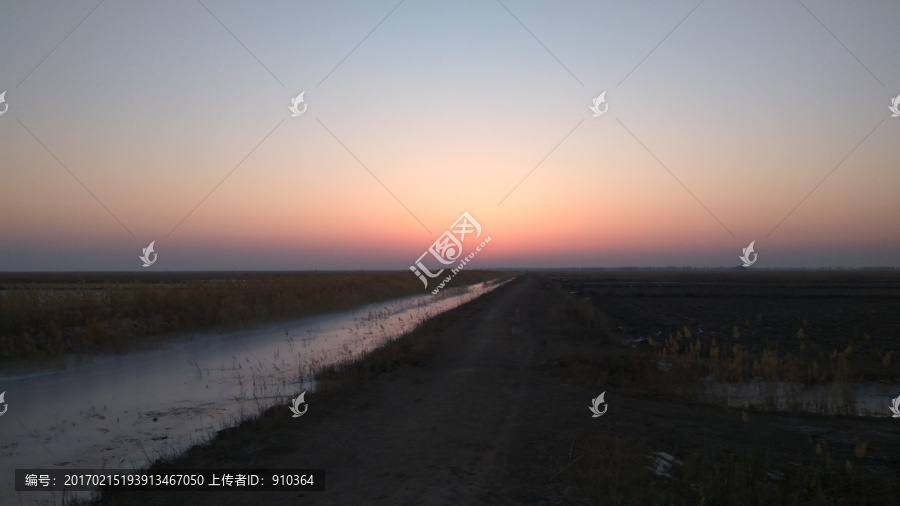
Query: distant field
[(808, 327), (48, 315)]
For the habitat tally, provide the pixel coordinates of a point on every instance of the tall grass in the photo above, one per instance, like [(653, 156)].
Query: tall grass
[(45, 316), (808, 364)]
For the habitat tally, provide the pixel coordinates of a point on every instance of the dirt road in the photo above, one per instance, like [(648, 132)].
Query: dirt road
[(436, 434)]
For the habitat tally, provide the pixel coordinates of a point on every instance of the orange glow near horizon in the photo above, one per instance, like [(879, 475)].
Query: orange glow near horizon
[(186, 140)]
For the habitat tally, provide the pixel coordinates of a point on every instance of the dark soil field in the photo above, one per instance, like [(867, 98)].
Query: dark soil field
[(848, 323), (489, 403)]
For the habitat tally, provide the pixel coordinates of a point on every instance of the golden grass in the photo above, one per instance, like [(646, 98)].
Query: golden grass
[(43, 316)]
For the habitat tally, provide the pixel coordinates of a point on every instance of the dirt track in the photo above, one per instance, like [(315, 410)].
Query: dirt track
[(437, 434)]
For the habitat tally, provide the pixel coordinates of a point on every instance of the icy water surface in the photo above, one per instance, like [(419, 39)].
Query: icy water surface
[(124, 411), (869, 399)]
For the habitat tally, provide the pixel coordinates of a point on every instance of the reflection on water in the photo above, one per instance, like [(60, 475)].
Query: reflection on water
[(122, 412), (850, 399)]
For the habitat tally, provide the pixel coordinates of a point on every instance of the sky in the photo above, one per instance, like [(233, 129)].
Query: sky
[(725, 123)]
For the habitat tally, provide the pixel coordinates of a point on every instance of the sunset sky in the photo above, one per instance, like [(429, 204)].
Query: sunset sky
[(728, 122)]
